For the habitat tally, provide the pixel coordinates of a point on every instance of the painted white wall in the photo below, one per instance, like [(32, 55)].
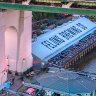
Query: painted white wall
[(11, 18), (3, 77), (12, 26), (2, 43), (18, 39), (25, 41), (11, 47), (28, 36), (3, 74), (15, 41)]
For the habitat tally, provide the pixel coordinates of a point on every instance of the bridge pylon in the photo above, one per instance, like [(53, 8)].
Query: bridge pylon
[(15, 40)]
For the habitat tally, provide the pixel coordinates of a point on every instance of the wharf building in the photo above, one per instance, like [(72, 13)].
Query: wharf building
[(64, 45)]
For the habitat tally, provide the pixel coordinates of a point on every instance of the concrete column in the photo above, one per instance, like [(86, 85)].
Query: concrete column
[(24, 57), (18, 32), (3, 73), (11, 18)]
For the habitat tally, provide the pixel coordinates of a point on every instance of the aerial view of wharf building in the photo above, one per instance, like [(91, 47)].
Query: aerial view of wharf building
[(66, 44), (23, 59)]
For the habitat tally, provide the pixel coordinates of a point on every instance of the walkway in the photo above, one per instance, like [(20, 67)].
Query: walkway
[(17, 86), (17, 93)]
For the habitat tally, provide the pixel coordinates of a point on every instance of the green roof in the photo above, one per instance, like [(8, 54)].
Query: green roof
[(67, 82)]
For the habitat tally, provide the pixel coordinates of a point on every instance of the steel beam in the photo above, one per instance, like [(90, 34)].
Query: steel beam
[(48, 9)]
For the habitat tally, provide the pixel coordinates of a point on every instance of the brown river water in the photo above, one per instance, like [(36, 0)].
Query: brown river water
[(87, 63)]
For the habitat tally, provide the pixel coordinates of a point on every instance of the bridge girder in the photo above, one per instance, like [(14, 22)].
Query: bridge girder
[(48, 9)]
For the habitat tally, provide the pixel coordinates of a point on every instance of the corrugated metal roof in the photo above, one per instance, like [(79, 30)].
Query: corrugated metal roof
[(61, 37), (65, 84)]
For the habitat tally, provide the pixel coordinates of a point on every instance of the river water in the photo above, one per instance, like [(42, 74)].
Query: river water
[(87, 63)]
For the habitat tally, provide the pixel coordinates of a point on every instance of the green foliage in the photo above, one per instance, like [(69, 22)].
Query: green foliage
[(9, 72), (56, 25), (69, 19), (37, 16), (50, 15), (43, 27), (93, 18), (26, 88), (23, 90), (35, 74), (38, 32), (28, 70), (46, 71), (60, 23), (30, 78), (42, 15), (21, 95), (31, 82), (16, 73)]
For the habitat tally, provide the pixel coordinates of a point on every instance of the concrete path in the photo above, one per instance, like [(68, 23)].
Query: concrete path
[(17, 93)]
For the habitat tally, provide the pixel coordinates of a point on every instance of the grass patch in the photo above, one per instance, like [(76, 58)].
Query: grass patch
[(28, 70)]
